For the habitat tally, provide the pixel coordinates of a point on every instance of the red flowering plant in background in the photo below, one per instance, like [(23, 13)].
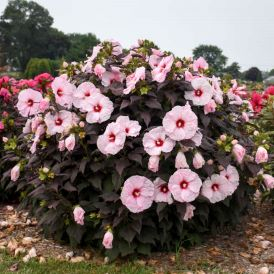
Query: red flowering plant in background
[(11, 122), (135, 150)]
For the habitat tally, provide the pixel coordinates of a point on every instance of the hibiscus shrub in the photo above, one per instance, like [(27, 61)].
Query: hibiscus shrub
[(139, 149), (11, 125)]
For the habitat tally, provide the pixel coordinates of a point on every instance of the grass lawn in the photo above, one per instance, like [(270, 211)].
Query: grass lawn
[(58, 267)]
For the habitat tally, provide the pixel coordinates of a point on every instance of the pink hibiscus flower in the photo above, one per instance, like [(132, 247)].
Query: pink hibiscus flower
[(180, 160), (217, 92), (200, 63), (155, 142), (79, 214), (189, 212), (132, 128), (202, 92), (112, 76), (185, 185), (154, 60), (63, 91), (99, 109), (163, 68), (198, 160), (99, 70), (28, 102), (197, 138), (2, 126), (161, 192), (239, 152), (134, 78), (113, 139), (216, 188), (180, 123), (261, 155), (153, 163), (107, 240), (83, 95), (137, 193), (232, 175), (268, 181), (210, 107), (59, 122)]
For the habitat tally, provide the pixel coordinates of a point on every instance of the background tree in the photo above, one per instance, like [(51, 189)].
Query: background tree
[(213, 55), (80, 44), (271, 72), (25, 32), (253, 74), (233, 70)]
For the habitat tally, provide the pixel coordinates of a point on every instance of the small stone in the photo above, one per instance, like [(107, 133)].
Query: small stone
[(19, 251), (60, 258), (42, 260), (141, 262), (106, 260), (69, 255), (26, 258), (27, 241), (14, 267), (2, 247), (259, 238), (28, 222), (9, 208), (12, 245), (87, 255), (263, 270), (265, 244), (3, 243), (32, 252), (4, 224), (77, 259)]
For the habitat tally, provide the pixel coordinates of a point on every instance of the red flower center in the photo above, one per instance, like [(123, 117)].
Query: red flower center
[(215, 187), (159, 142), (59, 92), (164, 188), (97, 108), (136, 193), (58, 122), (87, 93), (30, 102), (198, 92), (111, 137), (184, 184), (227, 177), (127, 130), (180, 123)]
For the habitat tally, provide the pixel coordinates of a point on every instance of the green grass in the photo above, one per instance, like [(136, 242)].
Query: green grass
[(58, 267), (62, 267)]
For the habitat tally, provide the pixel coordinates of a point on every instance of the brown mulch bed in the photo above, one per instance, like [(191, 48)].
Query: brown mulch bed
[(243, 250)]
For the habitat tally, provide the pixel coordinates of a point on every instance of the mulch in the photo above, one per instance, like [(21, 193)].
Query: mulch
[(245, 249)]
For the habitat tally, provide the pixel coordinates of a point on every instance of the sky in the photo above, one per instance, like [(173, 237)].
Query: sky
[(243, 29)]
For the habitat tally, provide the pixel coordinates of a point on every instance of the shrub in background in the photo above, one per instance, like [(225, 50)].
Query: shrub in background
[(37, 66), (11, 125), (137, 150)]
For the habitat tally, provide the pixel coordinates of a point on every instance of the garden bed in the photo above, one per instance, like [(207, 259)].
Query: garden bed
[(244, 250)]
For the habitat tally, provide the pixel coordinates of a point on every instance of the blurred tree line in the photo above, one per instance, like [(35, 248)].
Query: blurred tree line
[(26, 32), (28, 42), (218, 64)]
